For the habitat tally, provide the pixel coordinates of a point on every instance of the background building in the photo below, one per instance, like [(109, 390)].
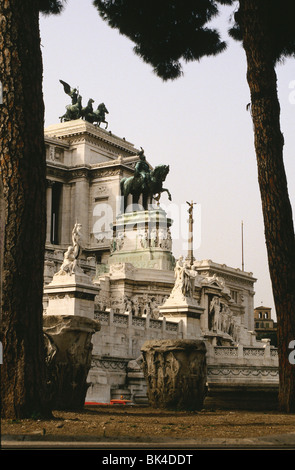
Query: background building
[(265, 326)]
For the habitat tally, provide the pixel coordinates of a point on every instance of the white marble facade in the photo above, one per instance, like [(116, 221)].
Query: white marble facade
[(133, 271), (84, 167)]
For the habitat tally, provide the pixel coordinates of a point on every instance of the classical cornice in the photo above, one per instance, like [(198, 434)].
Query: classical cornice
[(56, 142), (67, 174), (224, 271), (77, 130)]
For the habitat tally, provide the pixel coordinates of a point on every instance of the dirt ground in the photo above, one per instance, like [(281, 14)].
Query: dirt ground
[(140, 422)]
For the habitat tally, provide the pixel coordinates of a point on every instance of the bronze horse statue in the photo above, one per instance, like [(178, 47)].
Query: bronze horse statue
[(152, 188), (73, 111), (87, 112), (98, 116)]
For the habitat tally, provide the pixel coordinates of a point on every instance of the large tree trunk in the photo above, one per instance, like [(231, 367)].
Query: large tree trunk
[(23, 221), (276, 207)]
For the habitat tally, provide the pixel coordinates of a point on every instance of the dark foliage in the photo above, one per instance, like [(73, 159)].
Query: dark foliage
[(279, 20), (51, 7), (165, 32), (169, 31)]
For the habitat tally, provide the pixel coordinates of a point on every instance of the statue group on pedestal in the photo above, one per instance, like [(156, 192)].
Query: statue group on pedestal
[(76, 110), (185, 275), (222, 319), (69, 264), (220, 316)]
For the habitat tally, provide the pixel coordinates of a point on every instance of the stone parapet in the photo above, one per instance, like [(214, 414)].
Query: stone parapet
[(243, 368), (117, 359), (244, 355), (122, 335), (119, 341)]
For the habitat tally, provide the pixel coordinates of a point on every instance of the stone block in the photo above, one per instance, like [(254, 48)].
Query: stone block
[(176, 373), (68, 358)]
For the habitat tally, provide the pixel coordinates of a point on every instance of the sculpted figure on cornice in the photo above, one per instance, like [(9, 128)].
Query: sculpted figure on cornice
[(76, 110)]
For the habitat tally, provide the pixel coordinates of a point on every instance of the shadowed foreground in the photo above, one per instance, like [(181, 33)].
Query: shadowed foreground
[(142, 423)]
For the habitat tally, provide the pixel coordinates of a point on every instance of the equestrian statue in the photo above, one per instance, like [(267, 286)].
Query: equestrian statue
[(145, 182)]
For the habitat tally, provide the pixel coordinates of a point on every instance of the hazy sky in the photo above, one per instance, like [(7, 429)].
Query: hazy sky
[(197, 124)]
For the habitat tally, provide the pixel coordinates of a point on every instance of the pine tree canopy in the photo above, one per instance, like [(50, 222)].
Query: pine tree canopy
[(165, 31), (168, 31), (51, 7), (279, 27)]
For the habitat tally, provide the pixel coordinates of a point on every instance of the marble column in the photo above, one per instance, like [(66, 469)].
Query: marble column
[(66, 228), (82, 207), (49, 184)]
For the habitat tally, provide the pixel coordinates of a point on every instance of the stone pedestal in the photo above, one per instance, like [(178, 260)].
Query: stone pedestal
[(186, 310), (68, 358), (143, 239), (71, 294), (175, 372), (181, 304)]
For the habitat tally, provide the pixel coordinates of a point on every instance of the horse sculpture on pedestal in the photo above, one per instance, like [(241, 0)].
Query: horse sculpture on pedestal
[(149, 186)]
